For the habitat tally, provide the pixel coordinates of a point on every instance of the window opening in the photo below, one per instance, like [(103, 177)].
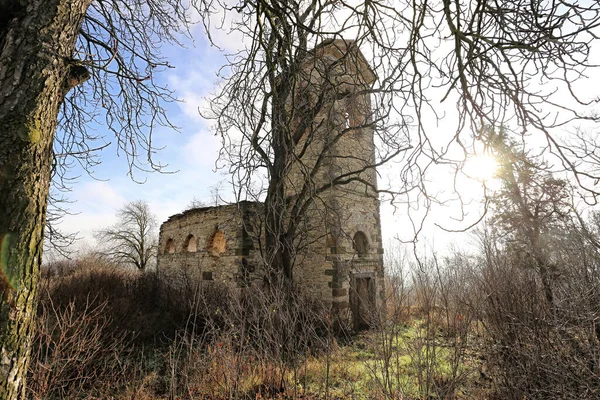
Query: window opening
[(217, 244), (360, 244), (170, 246), (347, 119), (190, 244)]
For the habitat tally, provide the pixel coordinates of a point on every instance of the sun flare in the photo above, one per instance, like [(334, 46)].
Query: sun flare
[(481, 167)]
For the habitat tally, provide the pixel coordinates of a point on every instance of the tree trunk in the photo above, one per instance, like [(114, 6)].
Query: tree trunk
[(37, 42), (279, 243)]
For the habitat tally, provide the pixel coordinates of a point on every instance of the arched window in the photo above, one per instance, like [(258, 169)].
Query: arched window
[(190, 244), (351, 115), (360, 243), (170, 246), (217, 244)]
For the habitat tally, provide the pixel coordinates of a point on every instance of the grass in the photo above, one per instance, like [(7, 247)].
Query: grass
[(355, 370), (359, 369)]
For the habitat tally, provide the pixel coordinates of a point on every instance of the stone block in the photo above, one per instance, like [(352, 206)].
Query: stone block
[(336, 285), (339, 305)]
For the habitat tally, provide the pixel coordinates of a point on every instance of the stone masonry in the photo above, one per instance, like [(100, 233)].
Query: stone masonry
[(341, 256)]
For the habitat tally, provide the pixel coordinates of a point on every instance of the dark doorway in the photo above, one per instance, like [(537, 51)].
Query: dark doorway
[(363, 301)]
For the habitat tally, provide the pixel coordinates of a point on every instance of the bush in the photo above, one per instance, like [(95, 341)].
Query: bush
[(103, 331), (73, 353), (535, 349)]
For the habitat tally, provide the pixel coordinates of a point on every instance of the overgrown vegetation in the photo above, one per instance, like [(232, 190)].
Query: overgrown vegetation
[(462, 326)]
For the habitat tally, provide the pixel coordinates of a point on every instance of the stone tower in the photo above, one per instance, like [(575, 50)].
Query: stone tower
[(340, 258), (344, 262)]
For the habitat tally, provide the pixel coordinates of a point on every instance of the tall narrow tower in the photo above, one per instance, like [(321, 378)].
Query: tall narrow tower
[(342, 258)]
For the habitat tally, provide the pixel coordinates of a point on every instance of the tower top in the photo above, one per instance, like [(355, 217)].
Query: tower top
[(345, 56)]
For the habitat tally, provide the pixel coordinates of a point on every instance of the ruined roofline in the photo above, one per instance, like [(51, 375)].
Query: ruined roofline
[(343, 48), (240, 205)]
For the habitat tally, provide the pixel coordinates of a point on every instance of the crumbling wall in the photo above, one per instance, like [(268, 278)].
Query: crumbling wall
[(343, 229), (210, 244)]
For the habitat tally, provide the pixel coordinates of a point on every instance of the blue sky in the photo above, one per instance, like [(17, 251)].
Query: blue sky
[(189, 154)]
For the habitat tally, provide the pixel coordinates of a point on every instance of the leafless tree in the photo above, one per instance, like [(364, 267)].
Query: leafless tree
[(530, 206), (537, 286), (195, 203), (500, 62), (294, 97), (512, 62), (65, 64), (133, 239), (533, 343)]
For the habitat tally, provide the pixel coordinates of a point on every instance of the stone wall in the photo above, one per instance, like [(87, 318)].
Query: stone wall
[(211, 243), (345, 217)]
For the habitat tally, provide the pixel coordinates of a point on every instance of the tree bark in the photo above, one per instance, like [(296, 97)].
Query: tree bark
[(37, 42), (278, 243)]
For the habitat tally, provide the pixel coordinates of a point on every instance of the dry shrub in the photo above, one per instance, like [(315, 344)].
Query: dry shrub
[(72, 354), (249, 345), (134, 303), (424, 347), (98, 321), (100, 331), (537, 350)]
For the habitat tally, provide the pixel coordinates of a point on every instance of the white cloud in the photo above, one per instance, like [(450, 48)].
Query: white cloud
[(192, 88), (223, 32), (98, 195), (202, 151)]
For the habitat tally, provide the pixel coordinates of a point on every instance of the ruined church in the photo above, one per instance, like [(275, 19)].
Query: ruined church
[(340, 259)]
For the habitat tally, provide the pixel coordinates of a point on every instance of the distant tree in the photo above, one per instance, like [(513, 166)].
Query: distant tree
[(215, 194), (530, 206), (195, 203), (215, 198), (539, 281), (133, 239)]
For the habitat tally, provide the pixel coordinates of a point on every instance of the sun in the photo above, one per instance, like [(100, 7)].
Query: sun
[(482, 167)]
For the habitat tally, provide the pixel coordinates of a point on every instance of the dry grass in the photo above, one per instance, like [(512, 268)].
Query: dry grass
[(106, 334)]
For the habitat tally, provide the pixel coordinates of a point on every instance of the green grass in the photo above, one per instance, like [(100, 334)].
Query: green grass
[(417, 366)]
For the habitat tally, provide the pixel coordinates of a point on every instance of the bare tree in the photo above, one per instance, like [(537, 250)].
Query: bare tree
[(133, 239), (48, 49), (539, 280), (530, 206), (493, 59), (524, 328), (305, 93), (195, 203)]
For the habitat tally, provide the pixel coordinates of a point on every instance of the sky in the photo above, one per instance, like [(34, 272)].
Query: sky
[(191, 153)]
